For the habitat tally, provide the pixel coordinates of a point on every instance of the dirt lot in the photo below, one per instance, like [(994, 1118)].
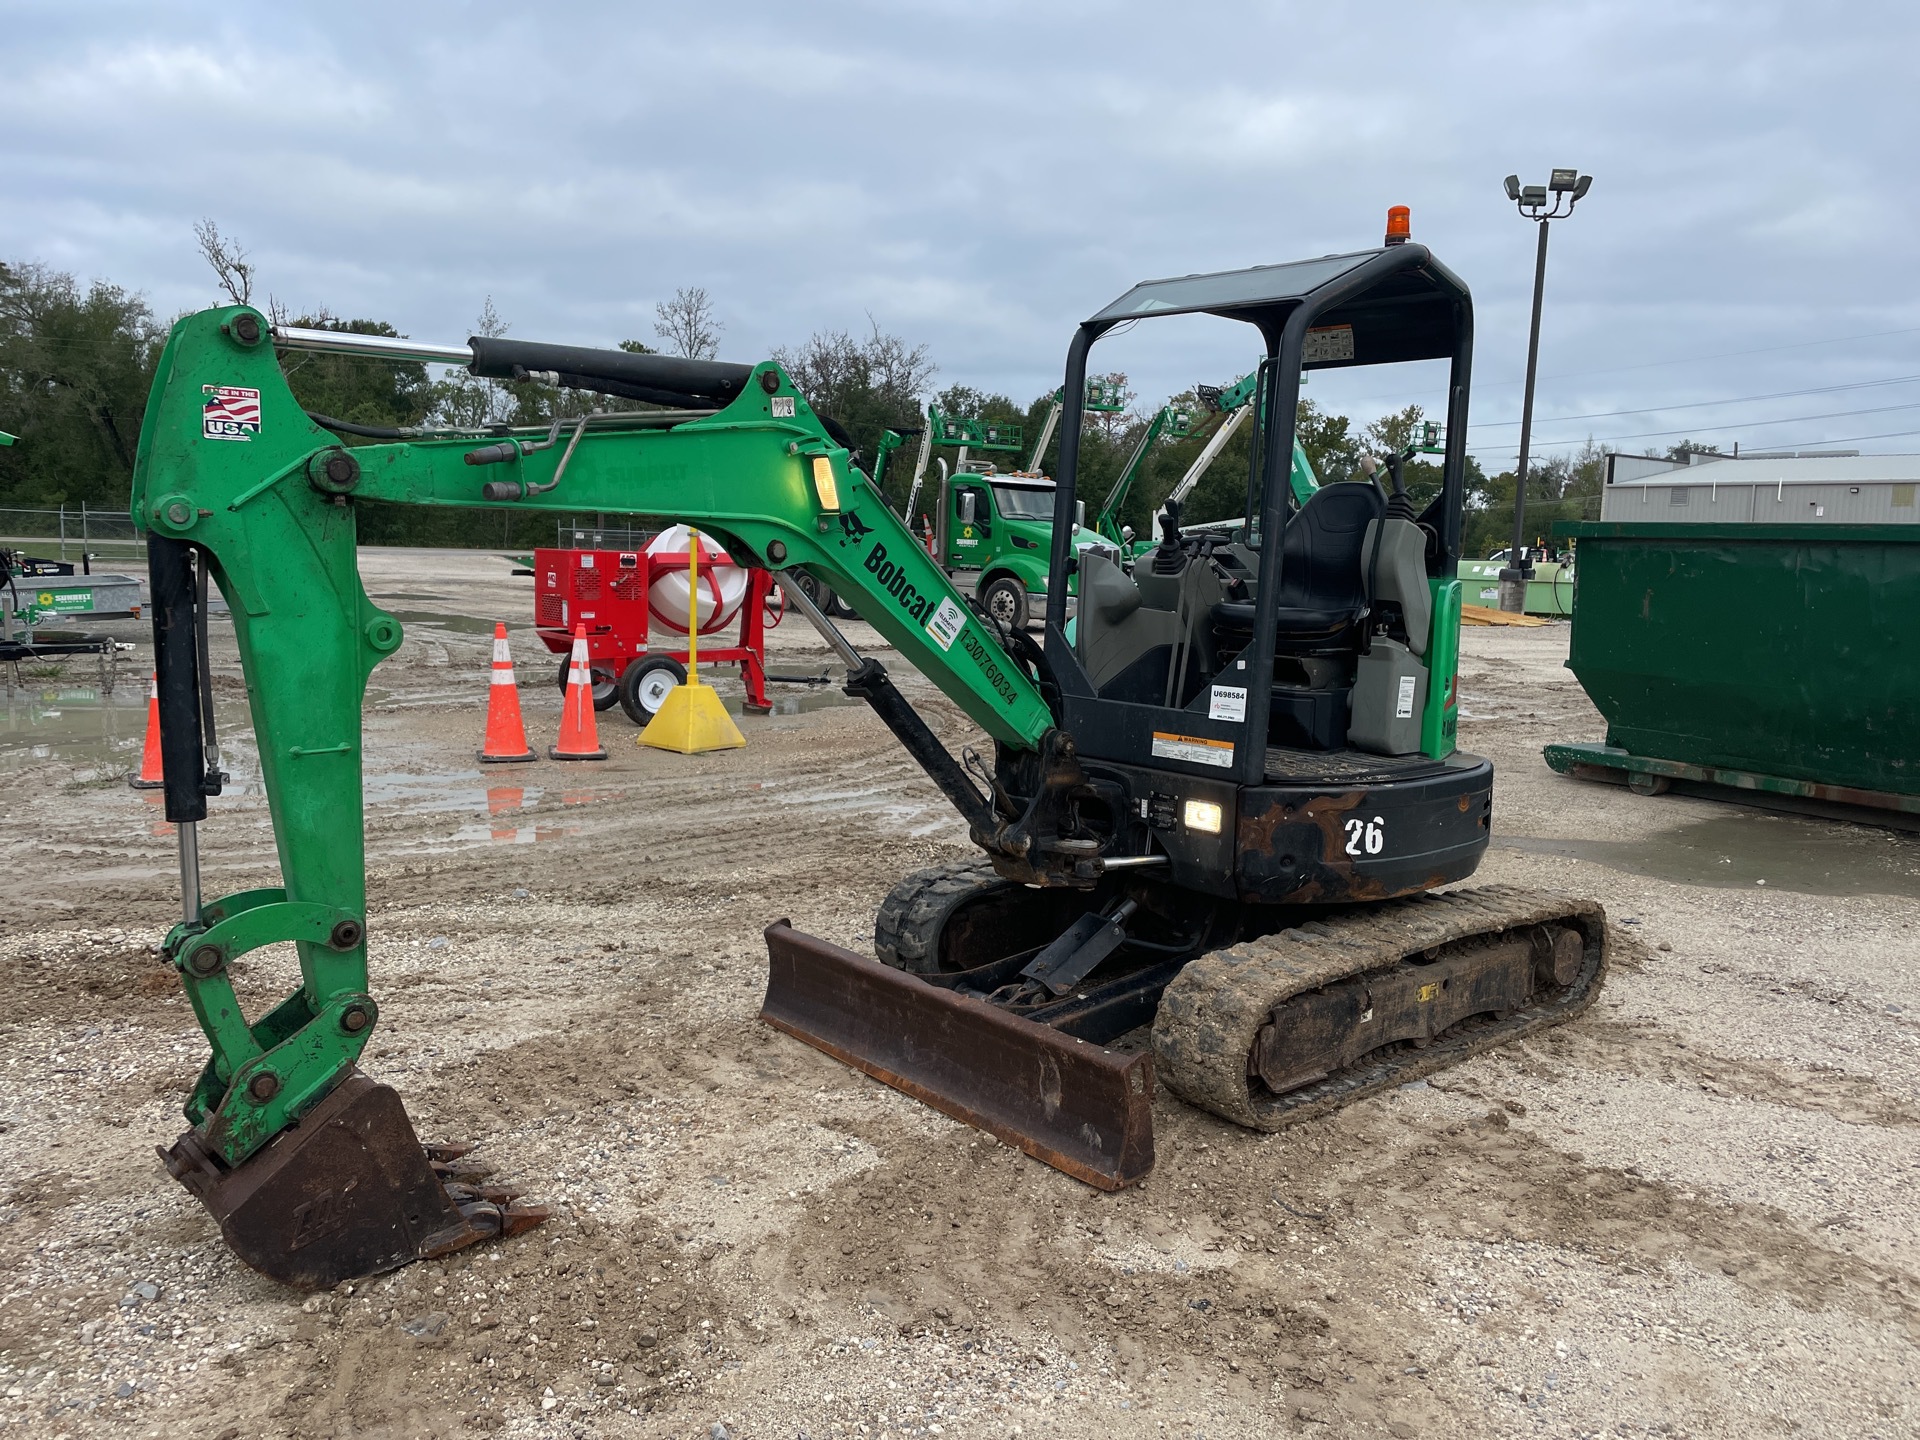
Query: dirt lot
[(1693, 1212)]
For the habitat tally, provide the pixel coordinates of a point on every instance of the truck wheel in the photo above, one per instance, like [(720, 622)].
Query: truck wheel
[(606, 684), (645, 686), (1006, 601), (819, 594)]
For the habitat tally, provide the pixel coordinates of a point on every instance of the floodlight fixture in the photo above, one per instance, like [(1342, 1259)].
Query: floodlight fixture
[(1566, 186)]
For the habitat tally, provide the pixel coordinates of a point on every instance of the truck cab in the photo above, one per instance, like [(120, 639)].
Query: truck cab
[(994, 535)]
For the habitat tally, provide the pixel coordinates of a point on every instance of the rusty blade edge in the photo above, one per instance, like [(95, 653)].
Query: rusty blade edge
[(946, 1105), (1130, 1076)]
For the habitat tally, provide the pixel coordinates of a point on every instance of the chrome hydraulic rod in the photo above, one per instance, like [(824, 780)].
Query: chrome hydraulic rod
[(829, 632), (189, 871), (369, 347)]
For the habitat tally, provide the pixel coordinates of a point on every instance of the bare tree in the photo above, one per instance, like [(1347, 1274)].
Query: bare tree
[(490, 324), (688, 325), (834, 370), (228, 259)]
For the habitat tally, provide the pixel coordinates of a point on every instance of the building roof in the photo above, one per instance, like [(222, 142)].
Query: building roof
[(1812, 470)]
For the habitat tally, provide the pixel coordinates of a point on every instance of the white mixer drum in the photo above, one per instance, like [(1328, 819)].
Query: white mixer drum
[(722, 586)]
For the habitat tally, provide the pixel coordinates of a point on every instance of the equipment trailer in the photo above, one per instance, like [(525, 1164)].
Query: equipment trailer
[(1219, 809)]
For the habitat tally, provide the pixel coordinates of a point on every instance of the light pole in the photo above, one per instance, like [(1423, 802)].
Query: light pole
[(1540, 204)]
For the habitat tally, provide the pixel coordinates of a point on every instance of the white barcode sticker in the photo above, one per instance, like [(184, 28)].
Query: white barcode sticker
[(1227, 702)]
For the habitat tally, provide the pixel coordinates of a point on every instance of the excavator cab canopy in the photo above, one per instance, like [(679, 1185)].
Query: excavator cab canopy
[(1389, 311), (1371, 307)]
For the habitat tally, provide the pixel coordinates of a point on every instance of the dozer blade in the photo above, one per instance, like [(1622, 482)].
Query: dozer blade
[(348, 1192), (1081, 1109)]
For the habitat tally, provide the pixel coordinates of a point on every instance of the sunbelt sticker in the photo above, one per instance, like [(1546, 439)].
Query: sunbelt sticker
[(947, 623)]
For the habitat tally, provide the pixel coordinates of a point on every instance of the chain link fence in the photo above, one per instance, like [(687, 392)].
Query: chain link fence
[(109, 540), (72, 532)]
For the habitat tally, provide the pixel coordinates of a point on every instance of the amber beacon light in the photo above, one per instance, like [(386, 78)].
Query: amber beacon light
[(1399, 225)]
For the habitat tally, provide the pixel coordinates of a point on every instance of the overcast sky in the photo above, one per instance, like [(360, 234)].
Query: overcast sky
[(980, 177)]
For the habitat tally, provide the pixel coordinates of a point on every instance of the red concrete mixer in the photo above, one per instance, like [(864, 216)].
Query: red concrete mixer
[(636, 605)]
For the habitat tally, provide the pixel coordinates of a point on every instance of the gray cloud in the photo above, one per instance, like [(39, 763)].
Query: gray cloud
[(981, 177)]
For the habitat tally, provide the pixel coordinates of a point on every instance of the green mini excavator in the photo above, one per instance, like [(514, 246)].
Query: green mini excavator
[(1213, 818)]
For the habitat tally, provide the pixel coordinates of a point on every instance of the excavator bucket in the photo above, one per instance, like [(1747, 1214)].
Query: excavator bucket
[(346, 1193), (1080, 1108)]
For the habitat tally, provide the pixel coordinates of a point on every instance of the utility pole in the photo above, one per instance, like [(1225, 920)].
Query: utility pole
[(1541, 204)]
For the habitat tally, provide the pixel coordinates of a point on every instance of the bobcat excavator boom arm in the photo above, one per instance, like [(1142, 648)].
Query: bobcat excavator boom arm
[(311, 1167)]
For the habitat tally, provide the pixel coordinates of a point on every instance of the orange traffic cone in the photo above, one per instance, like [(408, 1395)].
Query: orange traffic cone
[(579, 736), (150, 776), (506, 739)]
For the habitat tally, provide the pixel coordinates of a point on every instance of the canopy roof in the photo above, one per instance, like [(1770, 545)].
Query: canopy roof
[(1373, 306)]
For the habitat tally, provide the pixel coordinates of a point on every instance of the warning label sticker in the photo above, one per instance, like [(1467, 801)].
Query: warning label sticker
[(1404, 709), (783, 407), (1194, 749), (1328, 342)]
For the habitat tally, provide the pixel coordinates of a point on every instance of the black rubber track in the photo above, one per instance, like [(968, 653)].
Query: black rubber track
[(906, 932), (1213, 1010)]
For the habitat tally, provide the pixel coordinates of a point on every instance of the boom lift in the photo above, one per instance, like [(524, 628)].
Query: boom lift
[(1233, 404), (1170, 422), (1200, 812)]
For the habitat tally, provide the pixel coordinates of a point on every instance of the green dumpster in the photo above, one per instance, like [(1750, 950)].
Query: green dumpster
[(1778, 660), (1549, 592)]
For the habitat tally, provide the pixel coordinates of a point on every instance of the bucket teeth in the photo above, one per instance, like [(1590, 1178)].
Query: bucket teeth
[(349, 1192), (495, 1194)]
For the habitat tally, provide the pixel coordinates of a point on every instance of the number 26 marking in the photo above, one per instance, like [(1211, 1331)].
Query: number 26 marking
[(1368, 836)]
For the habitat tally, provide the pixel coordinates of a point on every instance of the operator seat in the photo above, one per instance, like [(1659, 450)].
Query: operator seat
[(1322, 599)]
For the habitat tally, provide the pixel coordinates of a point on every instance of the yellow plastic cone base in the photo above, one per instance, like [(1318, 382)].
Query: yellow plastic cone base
[(692, 720)]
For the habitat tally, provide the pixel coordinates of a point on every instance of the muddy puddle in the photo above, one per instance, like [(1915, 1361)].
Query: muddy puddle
[(79, 725), (429, 620), (1744, 850)]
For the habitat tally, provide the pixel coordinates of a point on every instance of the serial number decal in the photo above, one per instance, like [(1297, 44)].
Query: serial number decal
[(1368, 837), (1194, 749), (989, 667)]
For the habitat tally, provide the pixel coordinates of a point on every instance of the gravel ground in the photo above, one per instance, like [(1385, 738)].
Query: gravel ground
[(1691, 1213)]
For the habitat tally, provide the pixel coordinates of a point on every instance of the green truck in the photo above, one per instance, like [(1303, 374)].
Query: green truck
[(992, 531)]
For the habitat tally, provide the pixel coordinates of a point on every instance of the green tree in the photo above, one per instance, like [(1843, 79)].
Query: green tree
[(1332, 449), (75, 368), (378, 393)]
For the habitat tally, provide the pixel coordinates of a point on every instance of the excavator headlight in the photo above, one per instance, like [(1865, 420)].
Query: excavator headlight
[(1202, 815), (824, 485)]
